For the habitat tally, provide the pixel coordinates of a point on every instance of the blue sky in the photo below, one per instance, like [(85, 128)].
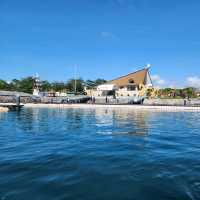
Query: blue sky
[(105, 38)]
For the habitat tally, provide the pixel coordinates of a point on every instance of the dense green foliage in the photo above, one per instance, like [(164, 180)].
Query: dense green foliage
[(72, 85), (4, 85), (178, 93), (23, 85)]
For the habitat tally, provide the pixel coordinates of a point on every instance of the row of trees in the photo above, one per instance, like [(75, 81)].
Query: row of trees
[(188, 92), (23, 85), (26, 85)]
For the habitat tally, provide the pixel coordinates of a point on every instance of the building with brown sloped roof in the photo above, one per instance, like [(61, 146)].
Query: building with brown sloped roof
[(131, 85), (135, 78)]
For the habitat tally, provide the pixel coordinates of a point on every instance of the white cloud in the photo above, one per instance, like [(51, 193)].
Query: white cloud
[(158, 81), (193, 81)]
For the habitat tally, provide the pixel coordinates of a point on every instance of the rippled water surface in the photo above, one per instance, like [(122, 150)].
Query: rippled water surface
[(97, 154)]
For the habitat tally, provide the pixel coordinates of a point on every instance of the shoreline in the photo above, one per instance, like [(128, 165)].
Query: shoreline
[(132, 107)]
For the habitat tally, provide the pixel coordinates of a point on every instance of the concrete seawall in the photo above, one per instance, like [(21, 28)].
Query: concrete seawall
[(172, 102)]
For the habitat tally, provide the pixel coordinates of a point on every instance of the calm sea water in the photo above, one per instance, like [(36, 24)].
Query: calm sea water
[(97, 154)]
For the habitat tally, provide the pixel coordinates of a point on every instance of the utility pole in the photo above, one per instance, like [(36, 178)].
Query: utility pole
[(75, 83)]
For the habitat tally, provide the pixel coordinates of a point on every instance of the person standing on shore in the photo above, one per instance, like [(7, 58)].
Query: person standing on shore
[(93, 99)]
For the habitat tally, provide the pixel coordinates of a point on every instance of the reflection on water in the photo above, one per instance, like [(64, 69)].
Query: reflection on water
[(120, 121), (106, 121), (99, 154)]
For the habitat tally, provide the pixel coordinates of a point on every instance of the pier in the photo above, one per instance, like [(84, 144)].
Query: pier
[(4, 107)]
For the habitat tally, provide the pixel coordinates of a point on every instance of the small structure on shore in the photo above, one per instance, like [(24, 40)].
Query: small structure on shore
[(197, 92), (36, 85)]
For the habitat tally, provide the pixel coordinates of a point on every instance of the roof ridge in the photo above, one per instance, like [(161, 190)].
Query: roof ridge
[(129, 74)]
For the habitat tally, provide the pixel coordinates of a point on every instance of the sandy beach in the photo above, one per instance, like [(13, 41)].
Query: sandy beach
[(2, 109), (132, 107)]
